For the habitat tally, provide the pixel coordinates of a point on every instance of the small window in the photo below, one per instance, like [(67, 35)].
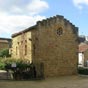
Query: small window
[(60, 31), (25, 41), (25, 49), (16, 50), (18, 43), (30, 39), (36, 38), (34, 48)]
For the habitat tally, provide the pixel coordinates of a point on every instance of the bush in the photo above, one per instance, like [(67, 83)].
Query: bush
[(20, 63), (23, 69), (83, 70), (2, 64), (4, 53)]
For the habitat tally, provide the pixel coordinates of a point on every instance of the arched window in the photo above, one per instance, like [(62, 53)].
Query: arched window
[(60, 31)]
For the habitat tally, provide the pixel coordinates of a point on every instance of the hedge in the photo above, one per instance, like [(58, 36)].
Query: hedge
[(83, 70)]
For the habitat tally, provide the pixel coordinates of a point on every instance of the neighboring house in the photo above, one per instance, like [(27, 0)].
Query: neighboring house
[(51, 45), (82, 39), (5, 43), (83, 54)]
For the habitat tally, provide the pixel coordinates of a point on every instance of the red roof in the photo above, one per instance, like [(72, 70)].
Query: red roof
[(83, 47)]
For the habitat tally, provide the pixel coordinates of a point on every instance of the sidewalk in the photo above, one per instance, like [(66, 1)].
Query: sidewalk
[(58, 82)]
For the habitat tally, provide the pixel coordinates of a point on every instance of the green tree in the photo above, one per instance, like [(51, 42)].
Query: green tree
[(4, 53)]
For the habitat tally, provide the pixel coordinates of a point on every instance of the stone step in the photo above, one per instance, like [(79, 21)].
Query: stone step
[(4, 75)]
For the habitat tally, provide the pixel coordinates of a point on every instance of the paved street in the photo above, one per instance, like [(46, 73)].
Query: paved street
[(60, 82)]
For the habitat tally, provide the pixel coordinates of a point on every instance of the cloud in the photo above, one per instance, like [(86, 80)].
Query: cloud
[(37, 6), (16, 9), (16, 15), (80, 3), (13, 23)]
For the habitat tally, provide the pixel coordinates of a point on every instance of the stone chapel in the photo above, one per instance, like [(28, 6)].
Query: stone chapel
[(51, 45)]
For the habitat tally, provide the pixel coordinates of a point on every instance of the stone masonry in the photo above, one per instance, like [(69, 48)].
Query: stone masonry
[(5, 43), (51, 45)]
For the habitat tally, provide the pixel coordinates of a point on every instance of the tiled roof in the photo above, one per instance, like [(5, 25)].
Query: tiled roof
[(5, 38), (83, 47), (3, 41), (26, 30)]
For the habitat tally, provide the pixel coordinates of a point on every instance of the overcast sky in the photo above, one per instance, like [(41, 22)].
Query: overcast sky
[(16, 15)]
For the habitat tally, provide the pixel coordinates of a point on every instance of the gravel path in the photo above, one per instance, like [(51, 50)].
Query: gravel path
[(59, 82)]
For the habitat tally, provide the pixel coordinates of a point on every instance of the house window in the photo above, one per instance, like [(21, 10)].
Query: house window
[(16, 50), (30, 39), (25, 49), (18, 43), (59, 31), (21, 42), (34, 48), (36, 38), (25, 41)]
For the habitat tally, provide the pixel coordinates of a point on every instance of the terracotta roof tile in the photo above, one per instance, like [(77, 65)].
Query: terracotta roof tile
[(83, 47)]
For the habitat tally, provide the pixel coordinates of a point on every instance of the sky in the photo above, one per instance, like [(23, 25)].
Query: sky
[(17, 15)]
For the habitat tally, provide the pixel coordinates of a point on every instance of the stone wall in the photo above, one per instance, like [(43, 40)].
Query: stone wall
[(52, 46), (5, 43), (18, 47), (57, 53)]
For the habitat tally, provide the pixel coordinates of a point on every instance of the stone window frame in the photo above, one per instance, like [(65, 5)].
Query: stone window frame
[(60, 31)]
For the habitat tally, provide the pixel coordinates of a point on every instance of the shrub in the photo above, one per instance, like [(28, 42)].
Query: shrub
[(83, 70), (21, 64), (23, 69), (2, 64), (4, 53)]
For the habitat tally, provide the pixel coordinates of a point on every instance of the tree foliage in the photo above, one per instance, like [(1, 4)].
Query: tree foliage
[(4, 53)]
